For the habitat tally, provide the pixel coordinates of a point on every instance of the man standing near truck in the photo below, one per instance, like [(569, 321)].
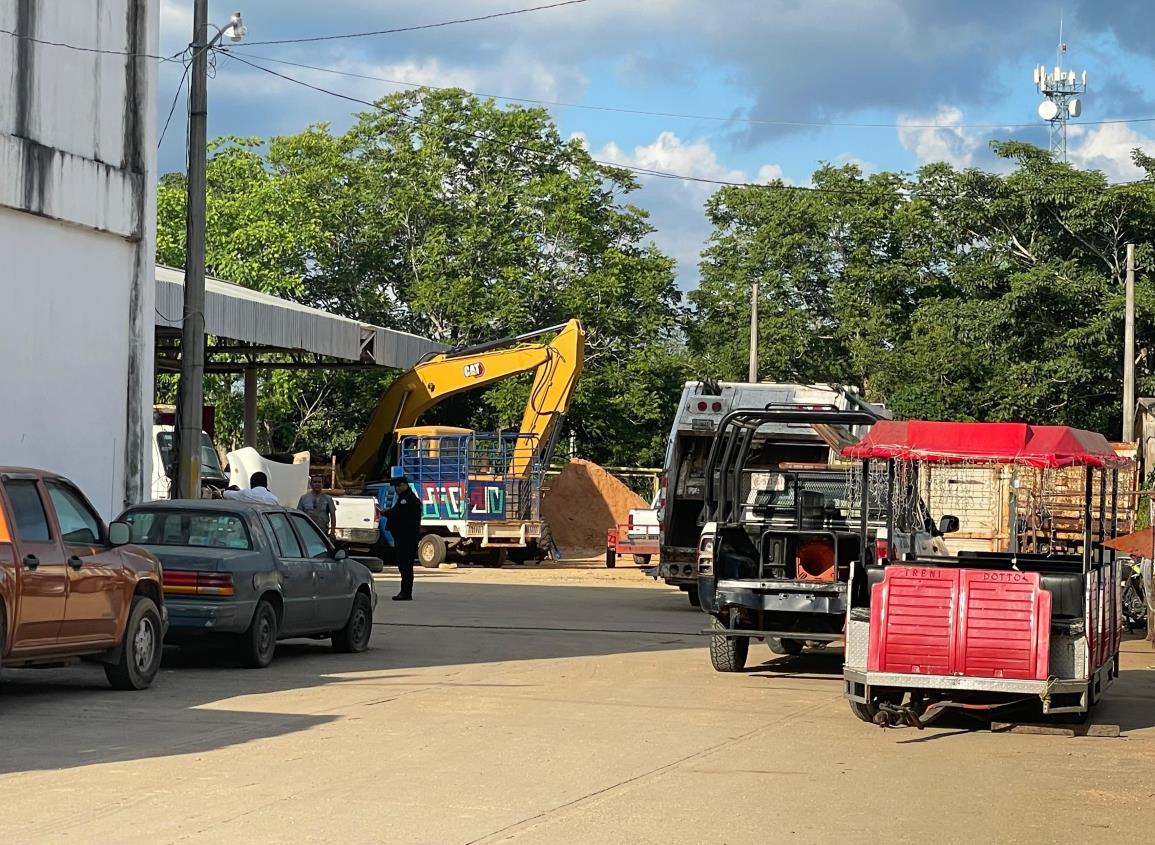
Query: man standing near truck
[(319, 506), (404, 523)]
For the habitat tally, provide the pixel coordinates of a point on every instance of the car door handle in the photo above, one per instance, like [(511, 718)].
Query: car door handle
[(31, 561), (75, 562)]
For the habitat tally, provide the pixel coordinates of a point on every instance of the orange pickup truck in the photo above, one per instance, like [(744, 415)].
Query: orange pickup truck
[(70, 587)]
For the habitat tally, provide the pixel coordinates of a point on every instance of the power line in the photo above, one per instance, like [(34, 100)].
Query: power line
[(684, 116), (641, 171), (175, 100), (418, 26), (99, 50)]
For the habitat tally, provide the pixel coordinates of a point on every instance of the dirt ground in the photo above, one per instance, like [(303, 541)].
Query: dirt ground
[(555, 705)]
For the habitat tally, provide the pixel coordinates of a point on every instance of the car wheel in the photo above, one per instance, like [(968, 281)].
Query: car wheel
[(431, 551), (259, 643), (642, 560), (611, 558), (140, 650), (727, 654), (354, 637), (692, 595)]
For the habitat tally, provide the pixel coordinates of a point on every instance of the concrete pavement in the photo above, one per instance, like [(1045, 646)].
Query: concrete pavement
[(533, 706)]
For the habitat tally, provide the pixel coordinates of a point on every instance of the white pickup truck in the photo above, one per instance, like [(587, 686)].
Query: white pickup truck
[(357, 521)]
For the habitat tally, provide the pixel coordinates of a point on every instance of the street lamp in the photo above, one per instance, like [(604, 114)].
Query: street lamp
[(192, 355)]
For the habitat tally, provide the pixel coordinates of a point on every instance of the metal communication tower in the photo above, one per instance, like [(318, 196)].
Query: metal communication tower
[(1062, 90)]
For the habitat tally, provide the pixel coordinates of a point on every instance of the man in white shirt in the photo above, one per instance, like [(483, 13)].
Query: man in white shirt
[(258, 491)]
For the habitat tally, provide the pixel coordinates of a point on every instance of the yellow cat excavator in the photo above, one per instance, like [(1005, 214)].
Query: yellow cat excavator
[(481, 492)]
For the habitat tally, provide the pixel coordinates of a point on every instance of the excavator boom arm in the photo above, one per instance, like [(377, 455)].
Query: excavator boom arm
[(557, 366)]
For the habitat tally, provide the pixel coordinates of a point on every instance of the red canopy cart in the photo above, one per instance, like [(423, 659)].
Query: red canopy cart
[(981, 630)]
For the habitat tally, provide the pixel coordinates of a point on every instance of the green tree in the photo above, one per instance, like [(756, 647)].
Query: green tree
[(948, 294), (445, 215)]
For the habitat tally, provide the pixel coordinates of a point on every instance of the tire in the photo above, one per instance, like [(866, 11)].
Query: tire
[(784, 646), (611, 558), (727, 654), (642, 560), (692, 595), (373, 564), (140, 650), (259, 643), (431, 551), (493, 558), (354, 637), (864, 712)]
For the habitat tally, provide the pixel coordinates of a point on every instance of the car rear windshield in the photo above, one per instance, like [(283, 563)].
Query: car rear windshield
[(188, 528)]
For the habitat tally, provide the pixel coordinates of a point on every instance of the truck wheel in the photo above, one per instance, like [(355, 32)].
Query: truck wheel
[(642, 560), (727, 654), (783, 646), (140, 650), (259, 643), (611, 558), (692, 595), (431, 551), (354, 637), (493, 558)]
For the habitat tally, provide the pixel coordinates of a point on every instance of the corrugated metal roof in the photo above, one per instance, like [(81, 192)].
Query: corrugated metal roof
[(243, 314)]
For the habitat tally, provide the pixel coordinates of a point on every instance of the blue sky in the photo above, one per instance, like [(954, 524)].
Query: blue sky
[(935, 74)]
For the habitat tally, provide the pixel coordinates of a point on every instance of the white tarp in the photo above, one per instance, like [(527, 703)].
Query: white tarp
[(288, 482)]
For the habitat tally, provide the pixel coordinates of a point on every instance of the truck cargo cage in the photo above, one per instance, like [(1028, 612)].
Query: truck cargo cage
[(469, 476)]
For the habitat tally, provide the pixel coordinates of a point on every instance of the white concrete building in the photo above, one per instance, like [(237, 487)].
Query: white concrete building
[(77, 230)]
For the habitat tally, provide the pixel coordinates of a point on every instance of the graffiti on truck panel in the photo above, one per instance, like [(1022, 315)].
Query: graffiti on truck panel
[(457, 500)]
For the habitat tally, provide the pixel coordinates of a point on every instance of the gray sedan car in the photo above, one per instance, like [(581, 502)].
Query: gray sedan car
[(258, 573)]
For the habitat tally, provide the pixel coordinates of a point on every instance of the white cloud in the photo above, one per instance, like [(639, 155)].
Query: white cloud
[(1107, 148), (939, 137), (677, 205)]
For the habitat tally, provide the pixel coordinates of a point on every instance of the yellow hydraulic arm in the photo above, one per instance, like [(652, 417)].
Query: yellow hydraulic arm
[(556, 365)]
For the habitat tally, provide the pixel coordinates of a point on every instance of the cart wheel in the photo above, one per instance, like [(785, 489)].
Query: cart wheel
[(611, 558), (727, 654), (865, 712), (642, 560)]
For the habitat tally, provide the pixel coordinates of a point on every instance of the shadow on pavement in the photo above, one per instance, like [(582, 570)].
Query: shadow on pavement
[(63, 718)]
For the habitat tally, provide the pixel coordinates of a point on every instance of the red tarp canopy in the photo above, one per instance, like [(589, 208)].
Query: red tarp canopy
[(1042, 446)]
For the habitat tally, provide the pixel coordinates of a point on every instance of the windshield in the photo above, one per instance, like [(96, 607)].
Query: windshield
[(170, 527), (210, 463)]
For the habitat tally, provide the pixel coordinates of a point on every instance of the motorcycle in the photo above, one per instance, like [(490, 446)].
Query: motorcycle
[(1134, 596)]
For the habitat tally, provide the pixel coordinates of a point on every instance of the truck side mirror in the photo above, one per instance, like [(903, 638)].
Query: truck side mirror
[(948, 525), (119, 534)]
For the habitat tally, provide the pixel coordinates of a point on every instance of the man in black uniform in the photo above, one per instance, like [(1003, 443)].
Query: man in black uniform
[(404, 523)]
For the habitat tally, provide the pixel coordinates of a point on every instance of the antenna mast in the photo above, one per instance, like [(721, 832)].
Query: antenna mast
[(1062, 90)]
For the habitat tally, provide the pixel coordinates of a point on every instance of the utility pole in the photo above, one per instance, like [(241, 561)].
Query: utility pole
[(192, 344), (1129, 351), (192, 341), (753, 374)]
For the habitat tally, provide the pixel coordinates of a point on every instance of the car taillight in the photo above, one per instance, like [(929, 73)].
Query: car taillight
[(702, 406), (188, 583), (630, 522), (716, 407), (880, 551)]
